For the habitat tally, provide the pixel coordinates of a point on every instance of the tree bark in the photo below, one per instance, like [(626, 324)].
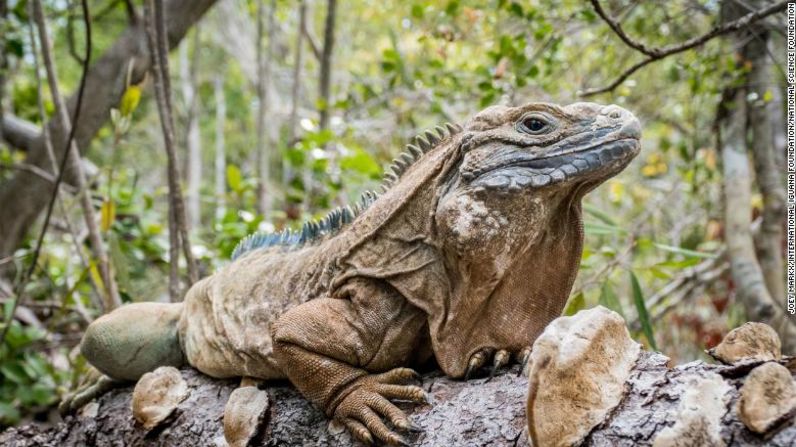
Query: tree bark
[(220, 155), (264, 68), (193, 139), (762, 119), (178, 227), (26, 194), (295, 91), (298, 65), (479, 412), (324, 93), (747, 274)]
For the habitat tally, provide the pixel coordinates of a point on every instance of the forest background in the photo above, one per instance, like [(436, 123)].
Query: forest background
[(266, 113)]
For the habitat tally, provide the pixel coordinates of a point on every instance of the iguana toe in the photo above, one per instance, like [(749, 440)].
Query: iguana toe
[(501, 359), (476, 361), (364, 410), (94, 389), (359, 431), (522, 358), (402, 392)]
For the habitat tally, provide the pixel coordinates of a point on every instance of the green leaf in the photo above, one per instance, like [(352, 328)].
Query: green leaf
[(594, 211), (234, 178), (417, 11), (596, 228), (685, 251), (679, 264), (609, 299), (14, 372), (360, 161), (641, 308), (9, 415), (452, 8), (107, 215), (768, 96), (130, 100), (575, 304), (658, 273)]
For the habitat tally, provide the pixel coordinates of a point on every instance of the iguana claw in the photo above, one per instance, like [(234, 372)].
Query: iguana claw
[(476, 361), (97, 385), (365, 408), (414, 428), (501, 359), (522, 357)]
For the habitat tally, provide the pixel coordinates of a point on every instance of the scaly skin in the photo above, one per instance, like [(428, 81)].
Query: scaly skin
[(465, 258)]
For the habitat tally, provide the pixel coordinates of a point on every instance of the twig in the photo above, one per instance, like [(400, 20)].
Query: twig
[(654, 54), (48, 146), (155, 25), (111, 298), (37, 171), (311, 41), (37, 251)]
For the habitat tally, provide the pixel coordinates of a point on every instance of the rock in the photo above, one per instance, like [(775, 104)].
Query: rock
[(768, 398), (578, 370), (749, 342), (697, 422), (244, 415), (157, 394)]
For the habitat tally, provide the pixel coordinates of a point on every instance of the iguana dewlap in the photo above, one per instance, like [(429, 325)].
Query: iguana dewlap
[(470, 251)]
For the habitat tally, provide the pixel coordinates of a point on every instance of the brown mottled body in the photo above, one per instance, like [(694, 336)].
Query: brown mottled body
[(466, 257)]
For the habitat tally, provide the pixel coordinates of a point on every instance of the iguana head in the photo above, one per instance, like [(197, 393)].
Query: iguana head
[(539, 145), (508, 220)]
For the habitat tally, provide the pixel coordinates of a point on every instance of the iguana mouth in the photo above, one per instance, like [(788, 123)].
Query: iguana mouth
[(607, 157)]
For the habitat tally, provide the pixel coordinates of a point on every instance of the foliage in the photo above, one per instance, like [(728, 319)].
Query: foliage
[(399, 67)]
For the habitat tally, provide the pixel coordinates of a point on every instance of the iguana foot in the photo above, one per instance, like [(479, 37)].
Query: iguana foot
[(362, 411), (96, 385), (500, 358)]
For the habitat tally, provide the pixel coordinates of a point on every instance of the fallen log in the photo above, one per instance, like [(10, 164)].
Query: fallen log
[(749, 402)]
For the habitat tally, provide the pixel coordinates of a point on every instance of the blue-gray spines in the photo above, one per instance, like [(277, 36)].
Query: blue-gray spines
[(342, 216)]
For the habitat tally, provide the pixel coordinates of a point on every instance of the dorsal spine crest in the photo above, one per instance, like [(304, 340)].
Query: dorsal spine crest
[(339, 217)]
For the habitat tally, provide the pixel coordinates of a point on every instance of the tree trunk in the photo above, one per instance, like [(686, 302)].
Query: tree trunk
[(193, 143), (762, 120), (479, 412), (324, 93), (221, 157), (26, 194), (264, 65), (298, 62), (178, 227), (747, 274), (295, 93)]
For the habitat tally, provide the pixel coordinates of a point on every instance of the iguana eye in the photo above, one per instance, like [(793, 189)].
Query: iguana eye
[(534, 125)]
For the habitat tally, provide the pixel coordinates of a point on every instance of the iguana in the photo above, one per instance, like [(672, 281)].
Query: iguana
[(467, 254)]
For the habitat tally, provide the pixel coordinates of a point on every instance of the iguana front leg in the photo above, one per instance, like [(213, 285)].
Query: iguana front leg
[(329, 347)]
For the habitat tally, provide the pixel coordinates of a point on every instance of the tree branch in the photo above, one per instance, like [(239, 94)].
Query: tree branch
[(19, 133), (154, 18), (311, 41), (654, 54), (25, 195), (111, 299)]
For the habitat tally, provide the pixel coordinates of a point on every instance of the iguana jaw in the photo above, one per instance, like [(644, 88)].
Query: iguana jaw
[(593, 161), (591, 148)]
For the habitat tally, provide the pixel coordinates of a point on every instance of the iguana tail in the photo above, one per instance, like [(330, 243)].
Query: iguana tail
[(134, 339)]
